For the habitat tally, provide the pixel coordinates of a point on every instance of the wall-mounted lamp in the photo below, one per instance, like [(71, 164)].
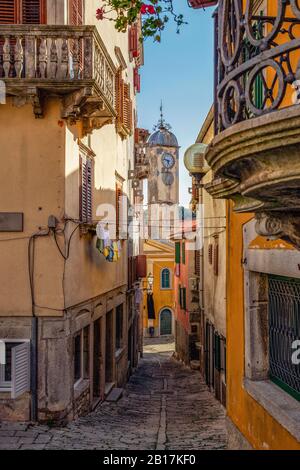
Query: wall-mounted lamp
[(195, 163)]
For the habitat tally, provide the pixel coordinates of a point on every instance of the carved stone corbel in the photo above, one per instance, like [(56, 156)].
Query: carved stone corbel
[(93, 123), (35, 98), (279, 225)]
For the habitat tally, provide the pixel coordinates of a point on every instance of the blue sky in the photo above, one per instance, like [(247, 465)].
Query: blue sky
[(180, 72)]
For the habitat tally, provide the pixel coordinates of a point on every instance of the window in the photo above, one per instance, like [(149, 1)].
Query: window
[(22, 12), (124, 106), (119, 327), (15, 373), (165, 279), (86, 189), (284, 329), (82, 355)]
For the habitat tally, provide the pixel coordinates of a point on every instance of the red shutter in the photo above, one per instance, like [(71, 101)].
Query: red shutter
[(133, 40), (22, 11), (76, 12), (86, 190), (137, 80), (31, 12), (8, 12)]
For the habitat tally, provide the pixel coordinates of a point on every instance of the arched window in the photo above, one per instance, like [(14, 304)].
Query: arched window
[(165, 279)]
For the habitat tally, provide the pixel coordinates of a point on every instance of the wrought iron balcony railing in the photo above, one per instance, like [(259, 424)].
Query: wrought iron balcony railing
[(257, 63), (57, 59), (255, 152)]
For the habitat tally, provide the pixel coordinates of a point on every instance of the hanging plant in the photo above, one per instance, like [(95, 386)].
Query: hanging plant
[(155, 14)]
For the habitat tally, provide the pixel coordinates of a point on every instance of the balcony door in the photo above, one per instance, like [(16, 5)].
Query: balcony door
[(23, 11)]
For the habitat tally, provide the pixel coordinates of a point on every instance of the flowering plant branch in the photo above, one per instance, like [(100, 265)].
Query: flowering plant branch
[(155, 15)]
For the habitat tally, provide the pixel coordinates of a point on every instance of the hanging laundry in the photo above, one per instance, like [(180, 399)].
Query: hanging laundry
[(100, 245)]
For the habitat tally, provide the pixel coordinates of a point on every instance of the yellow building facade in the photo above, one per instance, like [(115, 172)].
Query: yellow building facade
[(160, 285)]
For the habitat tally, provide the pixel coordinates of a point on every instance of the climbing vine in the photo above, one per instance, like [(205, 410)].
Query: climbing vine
[(155, 15)]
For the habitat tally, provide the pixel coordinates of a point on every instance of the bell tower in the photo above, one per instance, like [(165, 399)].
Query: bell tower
[(163, 155)]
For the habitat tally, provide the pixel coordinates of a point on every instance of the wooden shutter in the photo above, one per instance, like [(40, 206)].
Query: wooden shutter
[(22, 11), (127, 106), (210, 253), (136, 80), (123, 105), (20, 369), (76, 8), (133, 41), (197, 263), (86, 190), (8, 12), (119, 97), (32, 12), (118, 208)]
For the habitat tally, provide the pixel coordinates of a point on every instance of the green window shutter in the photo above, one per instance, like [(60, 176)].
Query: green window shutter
[(177, 252), (183, 252)]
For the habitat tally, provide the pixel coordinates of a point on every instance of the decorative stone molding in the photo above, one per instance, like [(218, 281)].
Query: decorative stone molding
[(276, 225)]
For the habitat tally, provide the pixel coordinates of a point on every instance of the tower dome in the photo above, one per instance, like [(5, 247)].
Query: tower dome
[(162, 135)]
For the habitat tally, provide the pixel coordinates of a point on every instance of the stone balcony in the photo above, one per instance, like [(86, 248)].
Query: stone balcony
[(70, 62), (255, 153)]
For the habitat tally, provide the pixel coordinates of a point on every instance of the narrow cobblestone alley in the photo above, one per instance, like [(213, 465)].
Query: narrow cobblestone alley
[(165, 406)]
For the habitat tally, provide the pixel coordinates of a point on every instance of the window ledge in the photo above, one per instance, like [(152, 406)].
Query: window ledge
[(281, 406)]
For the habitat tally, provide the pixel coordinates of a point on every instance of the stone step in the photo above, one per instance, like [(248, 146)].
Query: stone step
[(115, 394)]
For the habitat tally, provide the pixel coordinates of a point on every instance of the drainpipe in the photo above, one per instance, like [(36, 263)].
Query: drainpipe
[(34, 367)]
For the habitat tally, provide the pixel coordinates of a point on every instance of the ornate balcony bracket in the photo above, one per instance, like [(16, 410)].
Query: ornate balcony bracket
[(275, 226), (88, 107)]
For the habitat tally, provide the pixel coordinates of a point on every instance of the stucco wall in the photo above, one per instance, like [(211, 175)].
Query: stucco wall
[(32, 182)]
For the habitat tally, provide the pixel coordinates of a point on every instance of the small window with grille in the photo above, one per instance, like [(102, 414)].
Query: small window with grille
[(284, 330)]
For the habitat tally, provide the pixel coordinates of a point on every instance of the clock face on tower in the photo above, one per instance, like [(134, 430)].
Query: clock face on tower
[(168, 160)]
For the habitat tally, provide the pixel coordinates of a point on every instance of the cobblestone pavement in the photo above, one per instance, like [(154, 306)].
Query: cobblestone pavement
[(165, 406)]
